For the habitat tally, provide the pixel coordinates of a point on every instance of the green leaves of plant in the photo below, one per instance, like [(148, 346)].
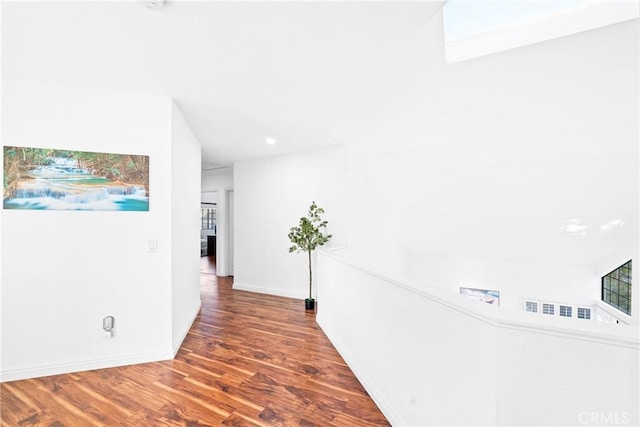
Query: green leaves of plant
[(308, 234)]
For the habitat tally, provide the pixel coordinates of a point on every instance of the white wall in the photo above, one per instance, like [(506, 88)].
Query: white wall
[(209, 196), (516, 280), (271, 194), (519, 279), (185, 226), (221, 184), (411, 354), (213, 183), (464, 174), (65, 270), (545, 379), (449, 360), (481, 163)]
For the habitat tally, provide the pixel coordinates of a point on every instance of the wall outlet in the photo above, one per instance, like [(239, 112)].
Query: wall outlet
[(108, 323)]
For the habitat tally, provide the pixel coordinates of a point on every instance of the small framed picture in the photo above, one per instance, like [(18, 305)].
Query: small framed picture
[(485, 295)]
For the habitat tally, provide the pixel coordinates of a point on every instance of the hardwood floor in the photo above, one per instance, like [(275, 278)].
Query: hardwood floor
[(249, 359)]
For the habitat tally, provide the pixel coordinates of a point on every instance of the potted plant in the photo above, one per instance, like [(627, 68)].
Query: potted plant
[(307, 236)]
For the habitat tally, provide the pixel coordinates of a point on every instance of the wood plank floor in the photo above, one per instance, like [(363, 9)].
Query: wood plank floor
[(248, 360)]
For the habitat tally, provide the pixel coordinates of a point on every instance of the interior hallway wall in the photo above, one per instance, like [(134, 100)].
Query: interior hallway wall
[(470, 174), (185, 227), (480, 164), (66, 270), (271, 194)]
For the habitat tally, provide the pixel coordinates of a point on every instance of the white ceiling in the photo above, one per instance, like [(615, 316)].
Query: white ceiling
[(239, 71), (540, 156)]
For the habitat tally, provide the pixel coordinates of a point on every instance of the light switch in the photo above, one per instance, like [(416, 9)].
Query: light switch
[(152, 245)]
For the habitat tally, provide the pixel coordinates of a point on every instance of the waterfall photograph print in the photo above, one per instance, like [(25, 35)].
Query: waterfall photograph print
[(53, 179)]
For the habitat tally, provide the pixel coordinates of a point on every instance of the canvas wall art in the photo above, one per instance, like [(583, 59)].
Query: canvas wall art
[(485, 295), (56, 179)]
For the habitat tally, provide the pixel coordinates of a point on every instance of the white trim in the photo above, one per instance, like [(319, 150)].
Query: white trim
[(557, 307), (267, 291), (178, 343), (611, 310), (376, 394), (87, 365)]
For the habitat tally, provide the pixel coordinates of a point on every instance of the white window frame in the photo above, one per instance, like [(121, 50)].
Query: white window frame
[(557, 308)]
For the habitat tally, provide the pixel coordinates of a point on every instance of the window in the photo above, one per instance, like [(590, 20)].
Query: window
[(565, 311), (475, 28), (571, 311), (531, 306), (208, 218), (616, 288), (584, 313)]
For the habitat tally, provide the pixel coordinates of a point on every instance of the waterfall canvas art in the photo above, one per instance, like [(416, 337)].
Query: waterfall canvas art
[(55, 179)]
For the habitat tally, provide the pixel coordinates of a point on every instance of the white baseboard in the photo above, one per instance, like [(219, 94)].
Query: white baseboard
[(187, 327), (87, 365), (376, 394), (263, 290)]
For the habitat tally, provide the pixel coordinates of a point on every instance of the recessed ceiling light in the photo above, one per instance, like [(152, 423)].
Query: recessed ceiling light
[(615, 223), (271, 141), (575, 227)]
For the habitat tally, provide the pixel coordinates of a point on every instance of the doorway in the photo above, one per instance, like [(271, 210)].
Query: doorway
[(208, 228)]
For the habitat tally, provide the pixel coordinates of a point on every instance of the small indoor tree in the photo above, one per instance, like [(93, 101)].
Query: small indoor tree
[(306, 237)]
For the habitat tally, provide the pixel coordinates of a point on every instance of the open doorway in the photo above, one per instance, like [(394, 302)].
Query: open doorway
[(216, 234), (208, 228)]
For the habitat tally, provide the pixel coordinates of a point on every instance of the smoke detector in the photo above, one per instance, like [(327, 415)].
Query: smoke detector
[(153, 4)]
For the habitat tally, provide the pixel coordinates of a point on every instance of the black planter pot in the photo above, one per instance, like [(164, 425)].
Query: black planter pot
[(309, 304)]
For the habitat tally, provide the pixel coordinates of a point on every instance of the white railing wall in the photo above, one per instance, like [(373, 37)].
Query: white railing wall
[(430, 357)]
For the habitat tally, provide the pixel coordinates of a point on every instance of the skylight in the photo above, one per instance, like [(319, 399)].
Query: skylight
[(474, 28)]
